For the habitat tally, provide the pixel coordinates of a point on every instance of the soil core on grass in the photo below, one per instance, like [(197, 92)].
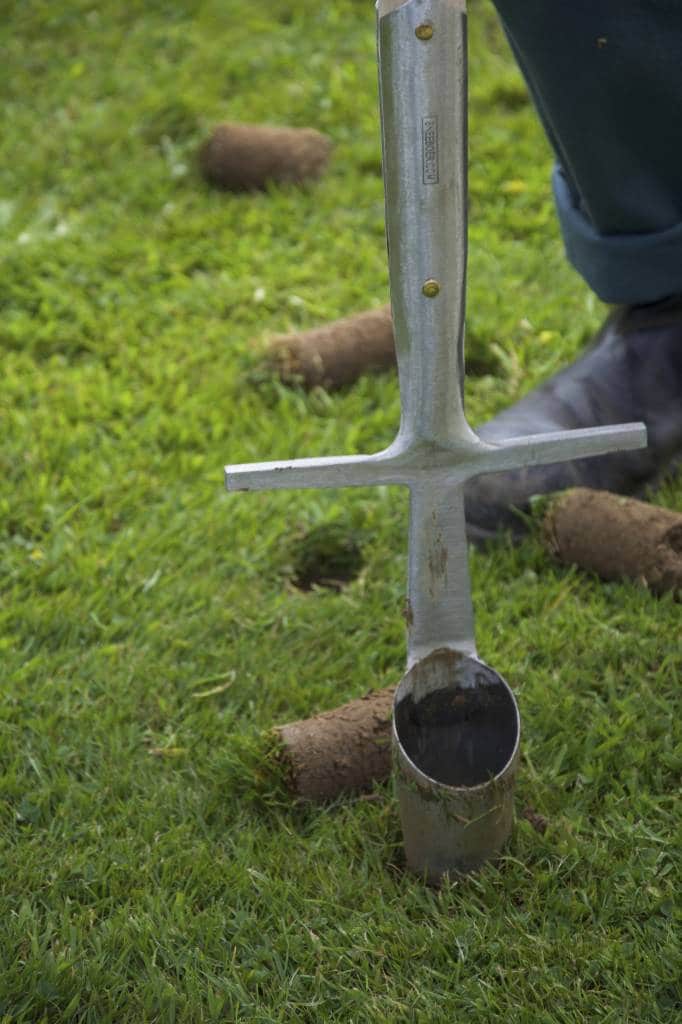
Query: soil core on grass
[(245, 157), (346, 749), (461, 735), (337, 354), (617, 537)]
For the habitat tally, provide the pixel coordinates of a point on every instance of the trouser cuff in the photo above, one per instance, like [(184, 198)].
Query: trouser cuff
[(624, 269)]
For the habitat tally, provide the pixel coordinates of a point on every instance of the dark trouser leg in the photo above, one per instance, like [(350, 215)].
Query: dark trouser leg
[(606, 77)]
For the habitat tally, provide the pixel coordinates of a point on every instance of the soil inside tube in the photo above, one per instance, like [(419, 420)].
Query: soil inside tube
[(459, 736)]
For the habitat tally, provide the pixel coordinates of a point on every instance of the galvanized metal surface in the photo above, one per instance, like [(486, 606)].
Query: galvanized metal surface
[(454, 828), (422, 77)]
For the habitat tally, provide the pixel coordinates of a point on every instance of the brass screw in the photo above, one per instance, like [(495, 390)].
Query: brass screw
[(424, 31), (430, 288)]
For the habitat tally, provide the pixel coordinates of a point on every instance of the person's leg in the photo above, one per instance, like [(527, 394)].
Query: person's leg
[(606, 78)]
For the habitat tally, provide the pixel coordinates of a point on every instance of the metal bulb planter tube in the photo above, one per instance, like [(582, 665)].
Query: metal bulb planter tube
[(456, 723), (456, 732)]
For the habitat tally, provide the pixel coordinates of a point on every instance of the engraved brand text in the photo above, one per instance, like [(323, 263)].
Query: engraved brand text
[(430, 150)]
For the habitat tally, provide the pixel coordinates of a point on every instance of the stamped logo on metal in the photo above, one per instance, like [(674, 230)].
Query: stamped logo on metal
[(430, 150)]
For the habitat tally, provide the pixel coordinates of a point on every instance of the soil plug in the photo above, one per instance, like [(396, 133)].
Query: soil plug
[(616, 537), (337, 354), (346, 749), (245, 157)]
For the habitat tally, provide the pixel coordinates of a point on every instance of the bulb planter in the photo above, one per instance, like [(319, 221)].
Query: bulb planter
[(456, 731)]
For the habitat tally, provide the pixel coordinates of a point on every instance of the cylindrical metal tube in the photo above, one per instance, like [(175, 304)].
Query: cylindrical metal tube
[(456, 731)]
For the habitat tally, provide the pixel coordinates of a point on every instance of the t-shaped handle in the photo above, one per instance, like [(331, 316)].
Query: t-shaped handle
[(422, 75)]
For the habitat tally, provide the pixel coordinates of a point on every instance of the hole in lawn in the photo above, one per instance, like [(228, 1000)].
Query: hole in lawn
[(326, 556)]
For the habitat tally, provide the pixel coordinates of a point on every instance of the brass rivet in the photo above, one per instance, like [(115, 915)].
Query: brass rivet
[(430, 288), (424, 31)]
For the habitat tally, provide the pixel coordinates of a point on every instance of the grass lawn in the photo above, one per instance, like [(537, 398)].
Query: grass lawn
[(152, 868)]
